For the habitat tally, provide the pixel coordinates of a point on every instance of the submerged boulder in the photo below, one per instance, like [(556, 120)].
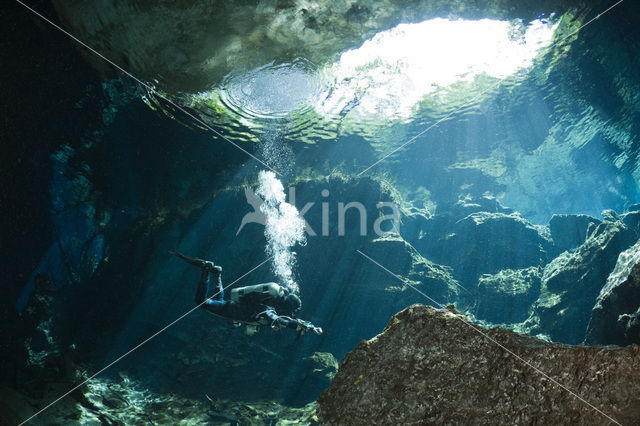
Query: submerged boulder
[(571, 283), (632, 220), (506, 297), (356, 296), (615, 318), (478, 236), (424, 230), (400, 257), (431, 366), (319, 369), (486, 242), (568, 231)]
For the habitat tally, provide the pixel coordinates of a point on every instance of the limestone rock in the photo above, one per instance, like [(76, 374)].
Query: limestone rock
[(572, 282), (632, 220), (324, 363), (506, 297), (467, 206), (610, 215), (431, 367), (486, 242), (478, 236), (318, 369), (568, 231), (193, 44), (615, 318), (400, 257), (127, 401)]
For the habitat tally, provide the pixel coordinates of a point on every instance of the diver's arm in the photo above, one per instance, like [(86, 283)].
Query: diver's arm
[(276, 320), (303, 326), (299, 325)]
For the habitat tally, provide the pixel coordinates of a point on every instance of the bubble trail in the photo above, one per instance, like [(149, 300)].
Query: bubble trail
[(283, 228)]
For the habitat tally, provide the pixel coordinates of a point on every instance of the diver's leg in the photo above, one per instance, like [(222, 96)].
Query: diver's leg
[(216, 303), (192, 260), (217, 277), (203, 287)]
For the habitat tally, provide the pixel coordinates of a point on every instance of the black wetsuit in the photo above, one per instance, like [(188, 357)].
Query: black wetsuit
[(252, 308)]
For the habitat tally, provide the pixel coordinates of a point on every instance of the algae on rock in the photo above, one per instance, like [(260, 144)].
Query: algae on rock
[(506, 297), (431, 366)]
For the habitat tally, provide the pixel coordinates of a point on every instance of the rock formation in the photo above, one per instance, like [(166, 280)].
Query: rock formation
[(478, 236), (192, 45), (615, 318), (571, 283), (632, 219), (506, 297), (125, 401), (568, 231), (432, 367), (486, 242)]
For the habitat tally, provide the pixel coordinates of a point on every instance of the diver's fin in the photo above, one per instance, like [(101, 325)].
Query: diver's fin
[(193, 261)]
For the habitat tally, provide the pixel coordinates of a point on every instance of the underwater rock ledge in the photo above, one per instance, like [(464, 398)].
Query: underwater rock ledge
[(429, 367), (193, 44)]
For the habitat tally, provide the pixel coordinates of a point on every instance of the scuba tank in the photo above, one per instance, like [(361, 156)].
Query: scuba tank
[(266, 290)]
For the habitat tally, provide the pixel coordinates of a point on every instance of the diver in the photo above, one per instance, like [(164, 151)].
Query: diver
[(256, 305)]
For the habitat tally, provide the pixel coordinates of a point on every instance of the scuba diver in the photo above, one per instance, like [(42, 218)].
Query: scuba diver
[(256, 305)]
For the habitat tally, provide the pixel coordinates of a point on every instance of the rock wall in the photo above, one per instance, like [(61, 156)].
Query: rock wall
[(572, 282), (542, 280), (615, 318), (477, 236), (192, 45), (431, 367), (507, 296), (569, 231)]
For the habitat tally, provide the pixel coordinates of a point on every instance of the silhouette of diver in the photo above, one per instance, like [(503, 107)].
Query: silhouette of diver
[(255, 306)]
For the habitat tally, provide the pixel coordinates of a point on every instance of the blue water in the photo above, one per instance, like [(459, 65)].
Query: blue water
[(133, 176)]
